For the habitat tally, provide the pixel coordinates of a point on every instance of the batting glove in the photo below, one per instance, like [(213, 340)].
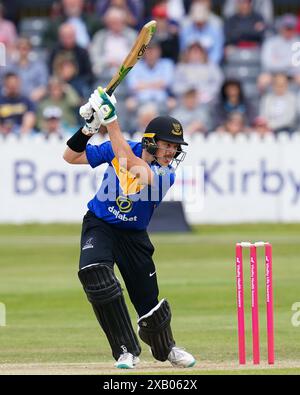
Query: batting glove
[(103, 105), (92, 120)]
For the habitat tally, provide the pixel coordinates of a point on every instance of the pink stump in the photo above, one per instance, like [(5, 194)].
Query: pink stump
[(254, 305), (240, 304), (269, 303)]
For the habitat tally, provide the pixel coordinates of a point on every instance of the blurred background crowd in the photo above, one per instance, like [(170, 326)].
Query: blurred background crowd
[(228, 66)]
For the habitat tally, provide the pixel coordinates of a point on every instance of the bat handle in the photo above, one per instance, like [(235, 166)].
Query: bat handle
[(109, 91)]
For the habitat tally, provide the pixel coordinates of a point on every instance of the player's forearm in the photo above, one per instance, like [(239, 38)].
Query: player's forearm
[(120, 146), (73, 157)]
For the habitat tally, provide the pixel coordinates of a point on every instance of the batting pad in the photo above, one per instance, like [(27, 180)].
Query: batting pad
[(155, 330), (104, 292)]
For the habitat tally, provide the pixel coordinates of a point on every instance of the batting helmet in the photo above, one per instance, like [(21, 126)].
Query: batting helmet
[(164, 128)]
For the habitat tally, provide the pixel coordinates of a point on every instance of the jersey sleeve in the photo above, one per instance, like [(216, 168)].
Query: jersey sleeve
[(99, 154)]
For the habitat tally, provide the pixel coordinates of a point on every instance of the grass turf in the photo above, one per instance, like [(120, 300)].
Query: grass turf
[(50, 321)]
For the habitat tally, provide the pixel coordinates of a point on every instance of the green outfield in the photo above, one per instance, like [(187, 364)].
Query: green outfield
[(50, 327)]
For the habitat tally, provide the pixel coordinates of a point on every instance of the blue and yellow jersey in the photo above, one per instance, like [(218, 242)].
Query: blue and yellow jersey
[(121, 200)]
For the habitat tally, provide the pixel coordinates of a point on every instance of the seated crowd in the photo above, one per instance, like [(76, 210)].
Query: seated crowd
[(238, 73)]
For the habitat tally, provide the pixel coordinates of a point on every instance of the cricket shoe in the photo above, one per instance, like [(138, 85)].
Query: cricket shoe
[(180, 358), (127, 361)]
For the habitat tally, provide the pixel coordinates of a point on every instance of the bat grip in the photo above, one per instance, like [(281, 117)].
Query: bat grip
[(109, 91)]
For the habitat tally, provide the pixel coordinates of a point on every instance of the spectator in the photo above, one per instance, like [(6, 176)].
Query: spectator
[(167, 33), (132, 8), (194, 118), (66, 70), (261, 127), (232, 99), (67, 48), (277, 52), (213, 18), (32, 71), (64, 97), (199, 28), (298, 23), (263, 7), (85, 25), (195, 70), (12, 10), (151, 79), (8, 32), (175, 9), (246, 28), (279, 107), (17, 112), (111, 45), (234, 124), (52, 123), (145, 114)]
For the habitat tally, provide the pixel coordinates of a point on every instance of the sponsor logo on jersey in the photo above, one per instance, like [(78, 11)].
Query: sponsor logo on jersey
[(124, 204), (120, 216)]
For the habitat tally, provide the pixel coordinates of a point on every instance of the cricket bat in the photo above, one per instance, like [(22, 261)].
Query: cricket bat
[(135, 54)]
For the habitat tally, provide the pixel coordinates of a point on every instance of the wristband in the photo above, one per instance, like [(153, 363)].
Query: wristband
[(78, 141)]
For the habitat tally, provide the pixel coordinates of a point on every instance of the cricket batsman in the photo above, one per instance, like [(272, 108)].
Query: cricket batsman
[(137, 177)]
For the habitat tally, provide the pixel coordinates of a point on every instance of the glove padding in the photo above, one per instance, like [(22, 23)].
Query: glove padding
[(92, 120), (103, 105), (92, 115)]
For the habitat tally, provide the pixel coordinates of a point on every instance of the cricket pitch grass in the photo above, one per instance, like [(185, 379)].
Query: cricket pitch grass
[(49, 327)]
